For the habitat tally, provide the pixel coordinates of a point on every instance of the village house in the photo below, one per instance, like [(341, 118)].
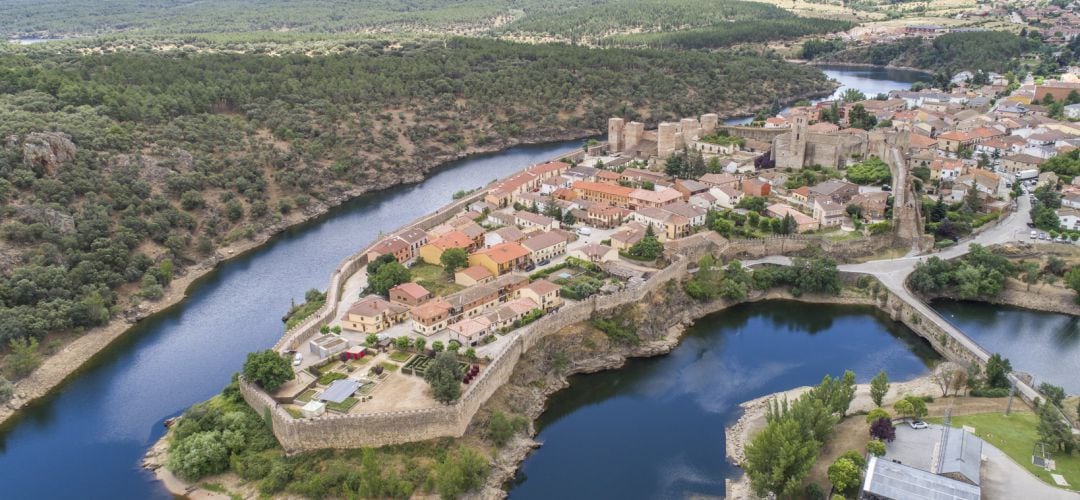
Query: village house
[(468, 332), (1069, 218), (595, 253), (946, 170), (618, 196), (391, 246), (530, 222), (801, 194), (545, 246), (640, 198), (984, 181), (604, 215), (431, 317), (872, 205), (473, 275), (841, 191), (705, 201), (756, 187), (803, 222), (415, 238), (472, 301), (543, 293), (504, 316), (665, 224), (507, 234), (1017, 163), (409, 294), (726, 196), (373, 314), (626, 237), (690, 187), (952, 141), (829, 212), (432, 252), (501, 259), (637, 177), (720, 180)]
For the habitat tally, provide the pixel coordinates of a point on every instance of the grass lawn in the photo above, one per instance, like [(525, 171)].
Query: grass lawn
[(400, 356), (390, 367), (434, 279), (295, 412), (306, 396), (329, 377), (1016, 435), (344, 406)]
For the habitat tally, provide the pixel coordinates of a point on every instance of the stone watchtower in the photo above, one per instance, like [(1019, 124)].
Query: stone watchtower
[(632, 135), (616, 135), (667, 138), (709, 122)]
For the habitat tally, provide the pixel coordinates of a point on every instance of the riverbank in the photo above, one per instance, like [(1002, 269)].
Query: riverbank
[(74, 355), (861, 65)]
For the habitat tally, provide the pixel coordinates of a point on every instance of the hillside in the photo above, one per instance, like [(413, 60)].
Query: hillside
[(980, 50), (118, 170)]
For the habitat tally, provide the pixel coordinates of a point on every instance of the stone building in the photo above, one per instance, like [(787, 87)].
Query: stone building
[(802, 147)]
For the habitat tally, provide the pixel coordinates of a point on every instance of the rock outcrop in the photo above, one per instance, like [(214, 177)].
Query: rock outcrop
[(44, 152)]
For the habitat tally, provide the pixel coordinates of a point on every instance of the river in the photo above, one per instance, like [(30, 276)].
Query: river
[(870, 80), (1046, 345), (90, 435), (655, 428)]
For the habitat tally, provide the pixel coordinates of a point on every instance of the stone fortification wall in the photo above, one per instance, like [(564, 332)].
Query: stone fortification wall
[(756, 133), (757, 248), (380, 429)]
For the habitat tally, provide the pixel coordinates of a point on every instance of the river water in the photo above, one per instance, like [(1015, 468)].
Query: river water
[(1046, 345), (655, 428), (86, 440)]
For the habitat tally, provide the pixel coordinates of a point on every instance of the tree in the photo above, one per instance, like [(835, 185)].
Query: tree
[(438, 346), (846, 393), (24, 357), (371, 339), (879, 387), (1054, 431), (911, 406), (268, 369), (997, 371), (501, 427), (199, 455), (453, 259), (844, 474), (779, 457), (373, 266), (875, 448), (883, 430), (1054, 394), (461, 471), (420, 343), (7, 390), (403, 342), (942, 377), (853, 95), (859, 117), (444, 377), (1072, 280), (876, 414), (648, 247), (388, 276)]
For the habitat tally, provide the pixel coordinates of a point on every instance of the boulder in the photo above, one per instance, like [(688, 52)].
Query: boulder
[(45, 151)]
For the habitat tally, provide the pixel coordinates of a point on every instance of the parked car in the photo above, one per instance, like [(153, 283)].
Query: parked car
[(918, 424), (544, 262), (1034, 234), (297, 359), (530, 267), (584, 231)]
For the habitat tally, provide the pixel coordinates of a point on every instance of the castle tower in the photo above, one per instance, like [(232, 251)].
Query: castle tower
[(616, 134), (798, 134), (666, 139), (632, 134), (691, 130), (708, 124)]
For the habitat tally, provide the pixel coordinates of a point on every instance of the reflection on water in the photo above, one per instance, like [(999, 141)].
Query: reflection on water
[(1046, 345), (655, 428)]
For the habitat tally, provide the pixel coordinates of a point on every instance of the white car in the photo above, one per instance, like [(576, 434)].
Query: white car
[(918, 424), (584, 231), (296, 360)]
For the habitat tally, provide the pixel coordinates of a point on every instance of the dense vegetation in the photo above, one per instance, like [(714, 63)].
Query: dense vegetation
[(817, 275), (727, 34), (952, 52), (151, 161), (979, 274), (225, 435), (779, 458)]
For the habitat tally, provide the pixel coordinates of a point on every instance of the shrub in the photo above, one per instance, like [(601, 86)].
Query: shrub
[(989, 392), (7, 390), (268, 369), (875, 414), (875, 448), (199, 455)]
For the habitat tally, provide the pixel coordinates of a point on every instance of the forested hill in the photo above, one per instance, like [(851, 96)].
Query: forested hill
[(118, 170), (980, 50)]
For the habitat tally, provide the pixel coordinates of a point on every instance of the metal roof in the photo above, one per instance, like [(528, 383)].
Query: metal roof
[(890, 480), (340, 390)]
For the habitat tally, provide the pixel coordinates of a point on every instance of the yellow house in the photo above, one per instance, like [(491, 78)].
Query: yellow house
[(544, 293), (432, 252), (373, 314), (500, 259)]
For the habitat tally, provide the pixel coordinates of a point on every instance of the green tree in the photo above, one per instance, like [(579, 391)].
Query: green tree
[(460, 472), (877, 413), (7, 390), (997, 371), (844, 474), (648, 247), (779, 458), (911, 406), (388, 276), (268, 369), (199, 455), (371, 339), (453, 259), (1054, 431), (875, 448), (501, 427), (444, 377), (24, 357), (879, 387), (853, 95), (1072, 280), (1054, 394)]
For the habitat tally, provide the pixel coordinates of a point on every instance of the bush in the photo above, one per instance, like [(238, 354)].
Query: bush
[(877, 413), (7, 390), (460, 472), (875, 448), (268, 369), (989, 392), (199, 455), (501, 428)]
